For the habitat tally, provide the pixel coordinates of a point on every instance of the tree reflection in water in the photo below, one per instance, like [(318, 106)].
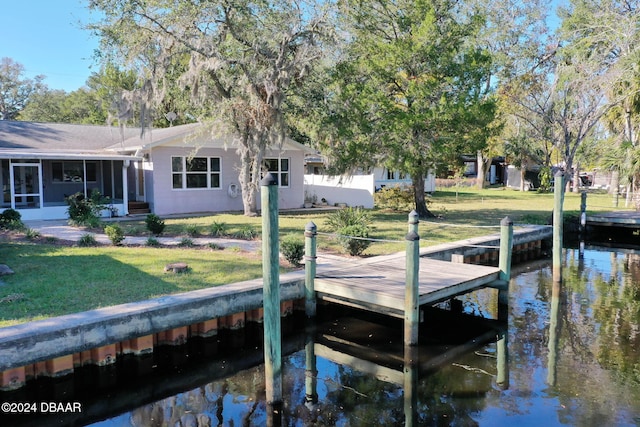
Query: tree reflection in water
[(573, 359)]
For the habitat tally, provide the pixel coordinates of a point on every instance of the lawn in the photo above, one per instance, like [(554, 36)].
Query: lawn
[(52, 279)]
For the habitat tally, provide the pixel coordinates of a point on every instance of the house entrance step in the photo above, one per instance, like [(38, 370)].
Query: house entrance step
[(137, 208)]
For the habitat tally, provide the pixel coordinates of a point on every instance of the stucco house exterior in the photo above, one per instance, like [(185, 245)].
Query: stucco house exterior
[(176, 170)]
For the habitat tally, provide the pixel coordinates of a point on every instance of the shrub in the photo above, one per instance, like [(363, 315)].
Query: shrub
[(152, 241), (246, 232), (346, 217), (397, 198), (114, 233), (154, 224), (546, 177), (292, 248), (85, 210), (219, 229), (87, 240), (192, 230), (354, 222), (353, 246), (11, 219), (215, 246), (31, 234), (186, 242)]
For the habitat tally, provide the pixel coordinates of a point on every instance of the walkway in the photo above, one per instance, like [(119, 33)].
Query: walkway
[(60, 229)]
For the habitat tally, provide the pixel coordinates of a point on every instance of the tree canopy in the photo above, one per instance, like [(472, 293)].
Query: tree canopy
[(15, 89), (237, 59), (408, 92)]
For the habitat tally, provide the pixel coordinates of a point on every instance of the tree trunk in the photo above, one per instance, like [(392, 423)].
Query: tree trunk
[(249, 176), (523, 172), (576, 178), (418, 193), (480, 181)]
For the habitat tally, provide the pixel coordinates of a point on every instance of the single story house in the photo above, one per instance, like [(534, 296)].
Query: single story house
[(177, 170)]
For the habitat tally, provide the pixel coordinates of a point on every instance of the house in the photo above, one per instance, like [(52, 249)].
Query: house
[(358, 188), (176, 170)]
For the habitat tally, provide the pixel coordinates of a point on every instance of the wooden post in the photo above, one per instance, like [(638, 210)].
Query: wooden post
[(555, 325), (410, 377), (583, 212), (411, 308), (310, 374), (271, 290), (502, 352), (504, 264), (558, 193), (310, 232), (506, 248)]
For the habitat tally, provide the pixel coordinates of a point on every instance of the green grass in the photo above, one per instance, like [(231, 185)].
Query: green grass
[(52, 280)]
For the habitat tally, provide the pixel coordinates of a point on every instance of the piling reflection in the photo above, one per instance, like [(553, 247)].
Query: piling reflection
[(568, 355)]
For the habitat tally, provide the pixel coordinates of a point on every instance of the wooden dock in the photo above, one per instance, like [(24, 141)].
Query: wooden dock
[(379, 284), (627, 219)]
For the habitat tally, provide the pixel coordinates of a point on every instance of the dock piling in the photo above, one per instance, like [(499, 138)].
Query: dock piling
[(310, 233), (558, 193), (504, 264), (411, 308), (271, 290)]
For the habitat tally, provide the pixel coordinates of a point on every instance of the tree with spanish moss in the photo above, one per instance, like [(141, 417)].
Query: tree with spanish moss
[(238, 59)]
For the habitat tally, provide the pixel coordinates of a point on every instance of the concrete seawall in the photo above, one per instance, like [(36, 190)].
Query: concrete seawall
[(54, 347)]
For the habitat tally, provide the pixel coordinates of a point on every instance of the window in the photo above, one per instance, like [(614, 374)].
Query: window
[(73, 171), (279, 168), (195, 172)]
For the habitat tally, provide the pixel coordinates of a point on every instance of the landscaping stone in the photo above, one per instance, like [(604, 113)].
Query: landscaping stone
[(176, 267), (5, 270)]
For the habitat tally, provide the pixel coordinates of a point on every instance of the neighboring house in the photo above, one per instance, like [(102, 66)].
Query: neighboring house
[(356, 189), (497, 173), (384, 177), (175, 170)]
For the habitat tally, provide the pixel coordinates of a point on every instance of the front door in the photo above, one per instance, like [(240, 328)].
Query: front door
[(27, 184)]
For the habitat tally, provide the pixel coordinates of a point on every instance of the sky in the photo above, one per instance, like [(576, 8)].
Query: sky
[(45, 37)]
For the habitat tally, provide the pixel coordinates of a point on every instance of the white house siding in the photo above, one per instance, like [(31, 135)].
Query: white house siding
[(382, 179), (356, 190), (165, 200)]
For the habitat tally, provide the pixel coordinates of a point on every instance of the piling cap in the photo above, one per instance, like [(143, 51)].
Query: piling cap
[(506, 221), (311, 226), (413, 217), (269, 179)]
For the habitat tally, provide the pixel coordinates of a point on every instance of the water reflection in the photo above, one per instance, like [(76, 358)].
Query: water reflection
[(568, 355)]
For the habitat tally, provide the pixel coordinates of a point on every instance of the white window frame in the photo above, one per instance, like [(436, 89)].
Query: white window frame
[(184, 173), (281, 171)]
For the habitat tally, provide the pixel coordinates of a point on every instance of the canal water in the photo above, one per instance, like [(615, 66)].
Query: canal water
[(567, 355)]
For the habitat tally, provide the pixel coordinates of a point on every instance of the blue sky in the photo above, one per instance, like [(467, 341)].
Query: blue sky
[(45, 36)]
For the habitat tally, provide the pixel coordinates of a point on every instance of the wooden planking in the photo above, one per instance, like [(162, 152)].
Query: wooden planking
[(382, 283), (615, 219)]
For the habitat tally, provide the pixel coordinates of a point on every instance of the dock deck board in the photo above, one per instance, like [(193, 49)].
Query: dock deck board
[(382, 283), (616, 219)]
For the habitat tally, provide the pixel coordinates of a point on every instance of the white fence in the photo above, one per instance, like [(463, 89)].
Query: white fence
[(356, 190)]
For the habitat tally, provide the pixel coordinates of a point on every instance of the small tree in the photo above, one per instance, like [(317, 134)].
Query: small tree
[(292, 247), (353, 226), (85, 210), (115, 233), (154, 224)]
